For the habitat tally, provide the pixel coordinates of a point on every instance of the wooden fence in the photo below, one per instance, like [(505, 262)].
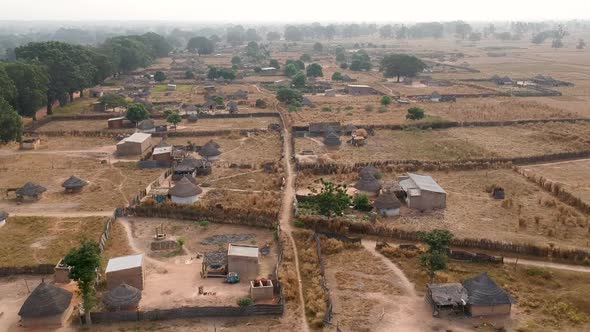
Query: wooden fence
[(6, 271), (318, 246)]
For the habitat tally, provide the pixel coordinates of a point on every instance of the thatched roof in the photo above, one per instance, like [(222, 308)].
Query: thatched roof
[(215, 258), (387, 201), (368, 171), (483, 290), (46, 300), (147, 124), (332, 139), (185, 188), (122, 296), (74, 182), (367, 180), (448, 294), (232, 107), (211, 149), (3, 215), (31, 189)]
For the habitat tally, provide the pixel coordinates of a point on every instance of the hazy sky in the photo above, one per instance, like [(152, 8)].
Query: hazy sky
[(296, 10)]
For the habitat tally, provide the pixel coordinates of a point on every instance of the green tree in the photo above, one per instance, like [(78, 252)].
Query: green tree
[(273, 36), (174, 118), (30, 81), (236, 60), (385, 100), (314, 70), (252, 35), (137, 113), (361, 202), (275, 63), (340, 54), (398, 65), (293, 33), (289, 96), (299, 80), (84, 262), (305, 57), (415, 113), (435, 258), (189, 75), (298, 63), (11, 125), (318, 47), (236, 35), (360, 61), (218, 100), (344, 65), (202, 45), (113, 100), (332, 200), (337, 76), (7, 87), (291, 69), (159, 76)]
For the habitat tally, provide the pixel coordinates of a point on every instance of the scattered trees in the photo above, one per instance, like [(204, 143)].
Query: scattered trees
[(332, 199), (225, 73), (299, 80), (289, 96), (84, 261), (314, 70), (11, 126), (298, 63), (202, 45), (415, 113), (435, 259), (398, 65)]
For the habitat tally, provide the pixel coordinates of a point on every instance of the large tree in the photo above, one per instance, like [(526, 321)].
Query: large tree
[(113, 100), (202, 45), (11, 126), (314, 70), (291, 69), (398, 65), (360, 61), (331, 200), (7, 87), (289, 96), (83, 262), (31, 83), (435, 258), (136, 113), (299, 80)]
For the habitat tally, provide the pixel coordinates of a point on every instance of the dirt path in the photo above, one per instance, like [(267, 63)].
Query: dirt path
[(74, 214), (287, 212), (551, 265)]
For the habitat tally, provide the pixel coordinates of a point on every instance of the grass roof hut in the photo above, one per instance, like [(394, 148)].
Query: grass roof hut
[(31, 191), (185, 192), (74, 184), (214, 264), (122, 298), (47, 306), (332, 140), (3, 217), (147, 126), (210, 151), (486, 298), (387, 204), (368, 182), (232, 107)]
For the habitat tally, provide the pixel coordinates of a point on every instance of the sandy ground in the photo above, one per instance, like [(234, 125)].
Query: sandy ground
[(573, 175)]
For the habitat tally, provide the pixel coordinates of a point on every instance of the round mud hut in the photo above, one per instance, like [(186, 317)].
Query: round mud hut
[(210, 151), (232, 107), (185, 192), (48, 306), (3, 217), (332, 140), (367, 182), (387, 205), (31, 191), (74, 184), (122, 298)]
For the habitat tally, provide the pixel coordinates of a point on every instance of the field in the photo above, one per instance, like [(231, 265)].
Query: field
[(458, 143), (42, 240), (573, 175)]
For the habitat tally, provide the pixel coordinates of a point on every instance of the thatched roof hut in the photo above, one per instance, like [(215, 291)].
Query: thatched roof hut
[(332, 140), (47, 305), (232, 107), (367, 181), (74, 184), (387, 204), (122, 297), (368, 171), (210, 151), (30, 190), (185, 192), (147, 125), (3, 215)]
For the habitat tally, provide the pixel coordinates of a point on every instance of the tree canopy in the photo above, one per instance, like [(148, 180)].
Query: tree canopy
[(236, 60), (293, 33), (415, 113), (435, 258), (289, 96), (305, 57), (11, 126), (217, 72), (202, 45), (274, 63), (83, 262), (159, 76), (331, 200), (136, 113), (298, 63), (398, 65), (337, 76), (291, 69), (299, 80), (314, 70), (318, 47), (113, 100), (360, 61)]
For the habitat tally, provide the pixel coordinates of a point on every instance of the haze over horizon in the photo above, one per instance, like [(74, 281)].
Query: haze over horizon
[(267, 11)]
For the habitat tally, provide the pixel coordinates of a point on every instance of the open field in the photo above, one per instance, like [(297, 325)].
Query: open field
[(42, 240), (547, 300), (110, 185), (572, 175), (267, 200), (65, 143), (458, 143)]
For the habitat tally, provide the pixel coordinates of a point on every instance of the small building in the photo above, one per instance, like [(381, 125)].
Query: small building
[(387, 205), (422, 192), (243, 260), (171, 87), (268, 71), (48, 307), (210, 151), (209, 88), (116, 123), (505, 80), (125, 269), (360, 90), (3, 217), (232, 107), (162, 153), (403, 102), (368, 182), (30, 143), (214, 264), (240, 95), (185, 192), (450, 296), (99, 107), (332, 140), (261, 290), (191, 167), (31, 191), (122, 298), (435, 97), (330, 93), (323, 128), (283, 82), (74, 184), (136, 144), (486, 298), (147, 126)]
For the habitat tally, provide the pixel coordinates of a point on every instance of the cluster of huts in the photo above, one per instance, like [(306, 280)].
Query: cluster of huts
[(32, 191), (332, 131)]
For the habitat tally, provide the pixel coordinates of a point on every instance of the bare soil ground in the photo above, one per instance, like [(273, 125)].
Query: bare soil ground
[(44, 240), (573, 175)]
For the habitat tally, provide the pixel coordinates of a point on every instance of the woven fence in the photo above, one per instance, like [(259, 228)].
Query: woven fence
[(318, 246)]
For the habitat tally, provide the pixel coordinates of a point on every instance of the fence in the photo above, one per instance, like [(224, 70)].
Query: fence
[(30, 269), (337, 225), (318, 246)]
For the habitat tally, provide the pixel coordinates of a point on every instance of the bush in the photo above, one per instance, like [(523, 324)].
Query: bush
[(293, 108), (260, 103), (369, 108), (344, 65), (383, 110), (204, 223), (415, 113), (348, 108), (385, 100), (361, 202), (299, 224), (327, 109), (245, 301)]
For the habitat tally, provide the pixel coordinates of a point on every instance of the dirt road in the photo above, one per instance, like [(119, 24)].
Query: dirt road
[(406, 285), (550, 265)]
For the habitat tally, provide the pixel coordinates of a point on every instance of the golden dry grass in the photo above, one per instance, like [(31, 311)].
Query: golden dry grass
[(572, 175)]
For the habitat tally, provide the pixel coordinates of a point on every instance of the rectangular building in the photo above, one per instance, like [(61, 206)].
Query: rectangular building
[(136, 144)]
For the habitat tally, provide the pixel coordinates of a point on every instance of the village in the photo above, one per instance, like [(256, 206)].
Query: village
[(345, 184)]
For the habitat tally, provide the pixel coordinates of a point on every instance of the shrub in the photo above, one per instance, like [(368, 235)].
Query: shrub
[(415, 113), (369, 108), (348, 107), (385, 100), (293, 108), (260, 103), (299, 224), (383, 110), (327, 109), (361, 202), (204, 223), (245, 301)]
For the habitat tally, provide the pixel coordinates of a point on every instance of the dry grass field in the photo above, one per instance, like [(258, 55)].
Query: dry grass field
[(40, 240), (110, 185), (573, 175), (266, 200), (547, 300)]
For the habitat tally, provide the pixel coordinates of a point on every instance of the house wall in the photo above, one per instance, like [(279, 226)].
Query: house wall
[(489, 310), (115, 124), (360, 91), (428, 200), (388, 212), (162, 156), (132, 148), (132, 277), (51, 322), (245, 267), (261, 293), (184, 200)]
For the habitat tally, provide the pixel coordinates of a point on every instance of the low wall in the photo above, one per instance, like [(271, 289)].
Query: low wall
[(328, 315), (31, 269)]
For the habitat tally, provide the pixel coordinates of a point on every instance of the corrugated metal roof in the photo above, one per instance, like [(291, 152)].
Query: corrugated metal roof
[(242, 250), (136, 138), (124, 263), (422, 182), (162, 150)]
